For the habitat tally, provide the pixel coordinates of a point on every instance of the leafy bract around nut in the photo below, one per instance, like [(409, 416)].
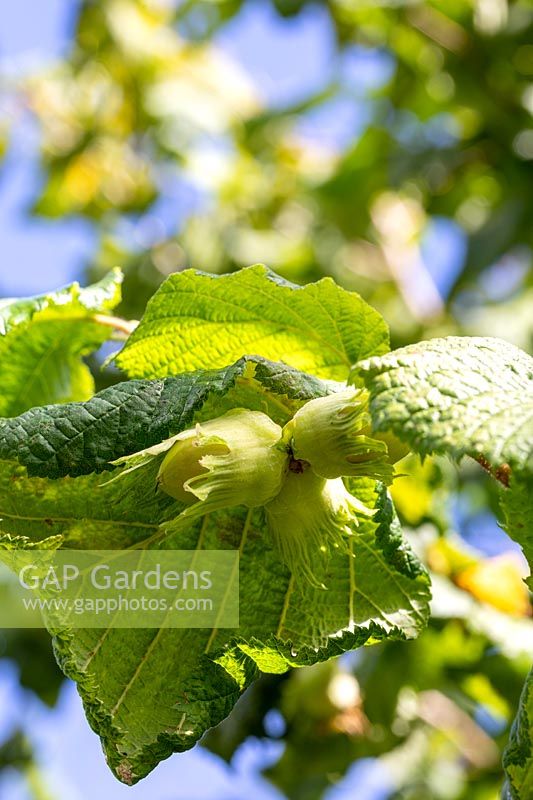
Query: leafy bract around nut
[(328, 434), (244, 458), (236, 459), (309, 516)]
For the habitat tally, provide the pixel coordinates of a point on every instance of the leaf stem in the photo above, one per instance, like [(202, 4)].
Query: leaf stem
[(124, 325)]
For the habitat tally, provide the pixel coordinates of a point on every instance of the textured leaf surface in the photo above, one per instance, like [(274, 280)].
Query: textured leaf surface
[(518, 757), (456, 396), (148, 693), (79, 438), (198, 321), (42, 340), (463, 396)]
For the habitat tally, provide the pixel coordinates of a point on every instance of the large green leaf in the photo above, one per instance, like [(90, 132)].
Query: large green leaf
[(198, 321), (463, 396), (518, 757), (42, 340), (148, 693), (456, 396), (79, 438)]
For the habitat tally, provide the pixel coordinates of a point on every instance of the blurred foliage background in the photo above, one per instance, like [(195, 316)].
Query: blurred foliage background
[(406, 176)]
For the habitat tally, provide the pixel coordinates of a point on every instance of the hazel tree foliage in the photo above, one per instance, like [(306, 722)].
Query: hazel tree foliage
[(290, 468), (146, 102)]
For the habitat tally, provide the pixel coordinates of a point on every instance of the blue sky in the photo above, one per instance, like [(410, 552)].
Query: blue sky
[(37, 255), (289, 60)]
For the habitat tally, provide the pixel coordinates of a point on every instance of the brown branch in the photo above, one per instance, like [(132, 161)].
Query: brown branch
[(440, 28), (443, 714)]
